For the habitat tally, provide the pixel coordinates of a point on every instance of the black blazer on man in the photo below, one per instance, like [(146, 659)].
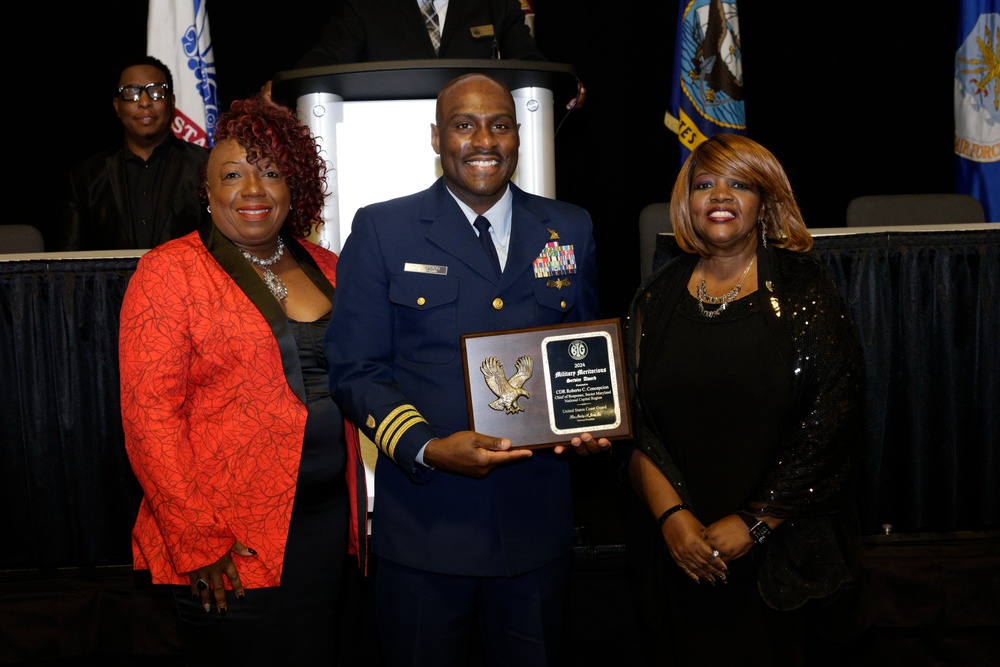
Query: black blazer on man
[(377, 30), (95, 214)]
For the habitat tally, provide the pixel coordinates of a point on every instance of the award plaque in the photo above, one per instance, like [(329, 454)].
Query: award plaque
[(540, 387)]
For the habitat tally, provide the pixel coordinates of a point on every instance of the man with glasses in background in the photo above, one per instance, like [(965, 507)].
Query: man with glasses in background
[(143, 191)]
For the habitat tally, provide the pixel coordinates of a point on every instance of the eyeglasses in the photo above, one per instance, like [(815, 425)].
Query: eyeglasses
[(156, 91)]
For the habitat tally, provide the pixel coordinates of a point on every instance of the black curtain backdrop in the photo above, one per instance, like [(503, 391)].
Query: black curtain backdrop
[(855, 99), (67, 493), (928, 310)]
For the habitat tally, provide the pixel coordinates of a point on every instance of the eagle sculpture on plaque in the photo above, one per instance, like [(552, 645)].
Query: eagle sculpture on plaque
[(507, 390)]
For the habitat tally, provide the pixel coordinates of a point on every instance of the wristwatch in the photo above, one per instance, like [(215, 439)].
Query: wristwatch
[(759, 531)]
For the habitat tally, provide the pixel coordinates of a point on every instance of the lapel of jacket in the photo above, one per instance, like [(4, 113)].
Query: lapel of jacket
[(243, 274), (115, 165), (453, 22), (449, 229), (413, 16)]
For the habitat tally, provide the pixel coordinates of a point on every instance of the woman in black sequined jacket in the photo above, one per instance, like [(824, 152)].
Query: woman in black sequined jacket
[(749, 425)]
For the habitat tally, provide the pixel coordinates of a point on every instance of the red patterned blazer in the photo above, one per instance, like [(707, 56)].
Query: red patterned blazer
[(213, 409)]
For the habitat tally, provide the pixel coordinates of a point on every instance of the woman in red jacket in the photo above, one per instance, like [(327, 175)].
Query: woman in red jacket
[(252, 479)]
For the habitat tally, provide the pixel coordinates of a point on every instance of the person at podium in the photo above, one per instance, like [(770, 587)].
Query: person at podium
[(473, 536), (378, 30)]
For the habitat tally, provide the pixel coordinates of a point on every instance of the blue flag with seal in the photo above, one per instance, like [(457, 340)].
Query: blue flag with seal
[(977, 104), (707, 93), (177, 33)]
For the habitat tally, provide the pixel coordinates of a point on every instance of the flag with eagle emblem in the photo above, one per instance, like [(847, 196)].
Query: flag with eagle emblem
[(707, 93)]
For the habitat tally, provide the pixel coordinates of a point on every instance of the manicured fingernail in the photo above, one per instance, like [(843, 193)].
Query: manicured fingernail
[(241, 596), (222, 611), (207, 607)]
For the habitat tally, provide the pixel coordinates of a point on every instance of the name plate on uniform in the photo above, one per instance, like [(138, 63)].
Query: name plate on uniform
[(540, 387)]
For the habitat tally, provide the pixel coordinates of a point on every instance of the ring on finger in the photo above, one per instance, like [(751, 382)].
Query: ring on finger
[(201, 585), (715, 553)]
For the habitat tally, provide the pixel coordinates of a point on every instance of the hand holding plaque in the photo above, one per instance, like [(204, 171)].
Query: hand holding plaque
[(540, 387)]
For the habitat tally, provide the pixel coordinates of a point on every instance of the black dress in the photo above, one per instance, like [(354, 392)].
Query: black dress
[(718, 393), (296, 622)]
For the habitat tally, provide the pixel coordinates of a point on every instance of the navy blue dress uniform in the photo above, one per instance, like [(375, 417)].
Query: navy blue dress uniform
[(412, 278)]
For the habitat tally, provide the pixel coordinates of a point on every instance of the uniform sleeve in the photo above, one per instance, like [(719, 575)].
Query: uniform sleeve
[(359, 350)]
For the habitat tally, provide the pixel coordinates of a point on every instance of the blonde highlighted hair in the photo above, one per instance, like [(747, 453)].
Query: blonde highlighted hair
[(740, 157)]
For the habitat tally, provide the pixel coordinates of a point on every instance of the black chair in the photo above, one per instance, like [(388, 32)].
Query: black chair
[(923, 209), (653, 219), (20, 239)]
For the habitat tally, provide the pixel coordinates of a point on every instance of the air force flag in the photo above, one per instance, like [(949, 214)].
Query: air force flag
[(707, 93), (177, 33), (977, 104)]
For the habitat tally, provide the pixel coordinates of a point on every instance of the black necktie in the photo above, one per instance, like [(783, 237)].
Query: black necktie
[(483, 226)]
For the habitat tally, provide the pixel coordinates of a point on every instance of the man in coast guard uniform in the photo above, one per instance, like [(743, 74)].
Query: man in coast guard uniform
[(472, 535)]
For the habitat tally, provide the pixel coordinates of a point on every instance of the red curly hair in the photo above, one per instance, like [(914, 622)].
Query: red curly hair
[(272, 132)]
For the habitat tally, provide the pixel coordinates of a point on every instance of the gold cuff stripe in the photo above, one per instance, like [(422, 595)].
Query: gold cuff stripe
[(403, 428), (394, 426), (391, 418)]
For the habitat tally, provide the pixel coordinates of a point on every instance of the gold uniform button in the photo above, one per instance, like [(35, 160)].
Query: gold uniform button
[(562, 304), (497, 303), (421, 300)]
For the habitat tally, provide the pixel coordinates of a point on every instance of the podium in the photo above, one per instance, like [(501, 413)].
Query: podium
[(373, 122)]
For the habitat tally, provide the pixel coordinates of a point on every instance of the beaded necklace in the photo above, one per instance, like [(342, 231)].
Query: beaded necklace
[(272, 281)]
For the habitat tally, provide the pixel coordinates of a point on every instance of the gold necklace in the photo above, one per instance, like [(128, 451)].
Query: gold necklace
[(721, 301)]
